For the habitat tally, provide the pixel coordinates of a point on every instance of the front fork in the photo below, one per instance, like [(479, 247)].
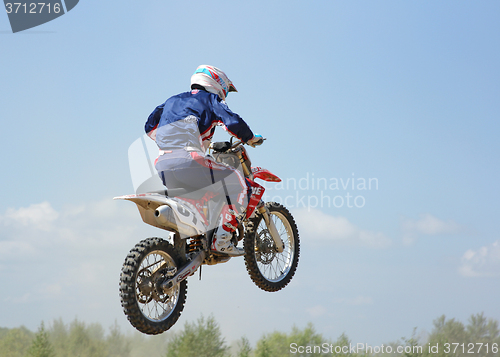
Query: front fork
[(273, 231)]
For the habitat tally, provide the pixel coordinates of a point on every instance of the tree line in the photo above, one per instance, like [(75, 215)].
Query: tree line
[(479, 337)]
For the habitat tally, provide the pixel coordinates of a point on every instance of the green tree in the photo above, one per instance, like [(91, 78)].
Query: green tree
[(271, 345), (78, 339), (41, 346), (144, 345), (343, 344), (451, 338), (86, 341), (445, 331), (58, 334), (482, 330), (117, 344), (202, 338), (15, 342), (3, 331), (415, 348), (298, 343), (244, 348)]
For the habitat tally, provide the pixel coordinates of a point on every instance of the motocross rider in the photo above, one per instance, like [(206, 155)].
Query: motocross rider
[(183, 127)]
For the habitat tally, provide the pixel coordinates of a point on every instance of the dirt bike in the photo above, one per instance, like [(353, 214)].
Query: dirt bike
[(153, 283)]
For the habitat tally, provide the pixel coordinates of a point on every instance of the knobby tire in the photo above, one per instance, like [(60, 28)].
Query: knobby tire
[(130, 288), (268, 269)]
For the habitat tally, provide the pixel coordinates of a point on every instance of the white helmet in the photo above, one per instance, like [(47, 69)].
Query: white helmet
[(213, 80)]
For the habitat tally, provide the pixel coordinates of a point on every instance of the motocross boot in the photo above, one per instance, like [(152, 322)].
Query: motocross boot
[(222, 241)]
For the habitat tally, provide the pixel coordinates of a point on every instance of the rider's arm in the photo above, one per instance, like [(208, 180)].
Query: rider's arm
[(153, 120), (234, 124)]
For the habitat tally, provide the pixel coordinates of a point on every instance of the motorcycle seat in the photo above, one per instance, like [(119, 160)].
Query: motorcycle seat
[(182, 192)]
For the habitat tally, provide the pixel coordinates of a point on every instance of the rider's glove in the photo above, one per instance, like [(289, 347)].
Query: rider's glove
[(256, 140)]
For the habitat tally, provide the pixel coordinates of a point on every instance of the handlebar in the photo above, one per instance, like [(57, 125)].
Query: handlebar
[(223, 146), (239, 142)]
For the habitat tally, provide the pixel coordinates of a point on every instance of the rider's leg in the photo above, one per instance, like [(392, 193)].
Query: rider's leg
[(231, 217), (189, 170), (223, 238), (233, 211)]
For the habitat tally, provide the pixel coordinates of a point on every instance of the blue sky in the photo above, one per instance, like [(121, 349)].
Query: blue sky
[(402, 92)]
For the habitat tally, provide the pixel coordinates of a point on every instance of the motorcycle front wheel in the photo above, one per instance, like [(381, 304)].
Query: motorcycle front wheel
[(269, 269), (148, 308)]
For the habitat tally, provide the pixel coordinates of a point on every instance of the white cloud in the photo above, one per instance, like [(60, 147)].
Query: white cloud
[(482, 262), (317, 225), (39, 216), (427, 225), (10, 249), (75, 248)]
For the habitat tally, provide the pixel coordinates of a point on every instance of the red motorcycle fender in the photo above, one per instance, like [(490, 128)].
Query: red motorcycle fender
[(264, 174)]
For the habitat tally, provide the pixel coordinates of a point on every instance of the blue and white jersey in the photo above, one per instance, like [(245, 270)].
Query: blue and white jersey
[(190, 118)]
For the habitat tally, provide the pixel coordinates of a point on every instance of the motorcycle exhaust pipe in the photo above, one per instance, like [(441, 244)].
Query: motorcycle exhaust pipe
[(165, 216)]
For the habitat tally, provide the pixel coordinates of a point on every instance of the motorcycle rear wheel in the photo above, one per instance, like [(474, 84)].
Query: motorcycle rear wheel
[(148, 308), (268, 269)]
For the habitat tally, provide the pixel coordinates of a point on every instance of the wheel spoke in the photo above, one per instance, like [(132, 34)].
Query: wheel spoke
[(277, 267), (269, 269), (148, 307), (158, 310)]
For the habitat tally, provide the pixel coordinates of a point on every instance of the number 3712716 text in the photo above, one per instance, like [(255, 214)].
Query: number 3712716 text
[(32, 8)]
